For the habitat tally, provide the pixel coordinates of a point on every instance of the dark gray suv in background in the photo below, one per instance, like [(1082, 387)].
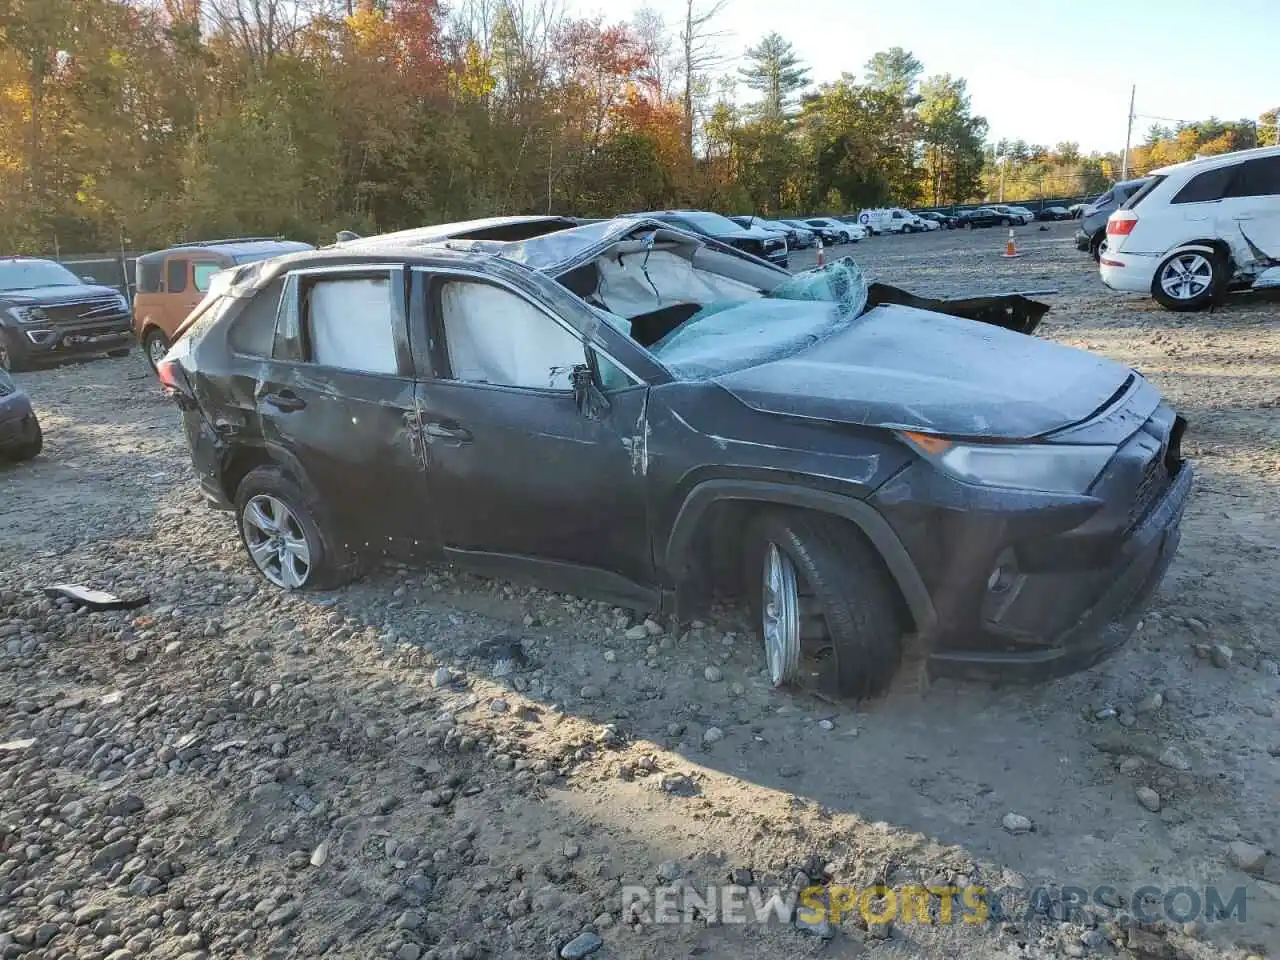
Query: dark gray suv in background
[(48, 313), (636, 413), (1091, 235)]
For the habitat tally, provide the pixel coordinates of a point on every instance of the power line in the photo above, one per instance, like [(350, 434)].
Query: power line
[(1192, 123)]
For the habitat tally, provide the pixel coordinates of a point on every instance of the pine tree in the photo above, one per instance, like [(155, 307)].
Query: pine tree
[(776, 73)]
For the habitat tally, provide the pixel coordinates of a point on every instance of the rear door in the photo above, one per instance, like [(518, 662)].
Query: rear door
[(338, 396), (521, 474), (1250, 217)]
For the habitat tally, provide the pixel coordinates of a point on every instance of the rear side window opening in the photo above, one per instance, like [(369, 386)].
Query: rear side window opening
[(253, 332), (1142, 193), (148, 276)]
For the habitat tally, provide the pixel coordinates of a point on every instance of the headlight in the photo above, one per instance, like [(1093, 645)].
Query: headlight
[(28, 314), (124, 304), (1052, 468)]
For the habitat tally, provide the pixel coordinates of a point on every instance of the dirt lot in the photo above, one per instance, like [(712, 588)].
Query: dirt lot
[(427, 764)]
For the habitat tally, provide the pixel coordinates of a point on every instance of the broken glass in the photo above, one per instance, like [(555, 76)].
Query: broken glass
[(798, 313)]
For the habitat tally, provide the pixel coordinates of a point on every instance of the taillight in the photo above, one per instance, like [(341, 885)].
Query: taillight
[(167, 371), (1121, 223)]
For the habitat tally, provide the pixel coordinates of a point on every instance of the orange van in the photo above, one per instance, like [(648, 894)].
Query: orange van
[(170, 283)]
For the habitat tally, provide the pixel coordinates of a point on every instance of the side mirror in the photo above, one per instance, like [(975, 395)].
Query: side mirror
[(592, 403)]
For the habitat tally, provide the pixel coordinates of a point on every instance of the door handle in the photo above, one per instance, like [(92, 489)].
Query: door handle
[(286, 401), (447, 431)]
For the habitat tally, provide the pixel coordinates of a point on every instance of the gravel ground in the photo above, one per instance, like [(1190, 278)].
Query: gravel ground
[(432, 765)]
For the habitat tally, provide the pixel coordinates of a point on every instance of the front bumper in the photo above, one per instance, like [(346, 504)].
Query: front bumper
[(52, 342), (1028, 586), (1107, 622)]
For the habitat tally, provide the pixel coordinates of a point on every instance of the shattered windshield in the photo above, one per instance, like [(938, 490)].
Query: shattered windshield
[(799, 312)]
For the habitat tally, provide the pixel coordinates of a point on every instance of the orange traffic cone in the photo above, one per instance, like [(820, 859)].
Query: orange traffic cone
[(1010, 251), (821, 259)]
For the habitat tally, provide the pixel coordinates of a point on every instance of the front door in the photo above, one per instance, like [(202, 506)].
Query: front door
[(516, 469), (338, 396), (178, 293)]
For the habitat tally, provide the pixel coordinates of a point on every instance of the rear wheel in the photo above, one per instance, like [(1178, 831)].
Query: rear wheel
[(844, 237), (1187, 280), (827, 609), (283, 532), (155, 345)]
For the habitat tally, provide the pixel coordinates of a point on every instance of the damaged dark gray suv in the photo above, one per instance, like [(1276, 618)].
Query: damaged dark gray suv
[(631, 412)]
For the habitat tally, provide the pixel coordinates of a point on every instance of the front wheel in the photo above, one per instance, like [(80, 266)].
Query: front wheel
[(32, 443), (1187, 280), (10, 360), (827, 608), (844, 237), (284, 535)]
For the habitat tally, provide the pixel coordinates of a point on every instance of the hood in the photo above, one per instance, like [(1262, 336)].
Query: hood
[(901, 367), (59, 293)]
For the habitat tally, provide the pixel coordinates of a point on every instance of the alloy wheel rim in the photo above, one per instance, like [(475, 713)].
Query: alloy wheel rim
[(1186, 276), (156, 349), (781, 616), (276, 541)]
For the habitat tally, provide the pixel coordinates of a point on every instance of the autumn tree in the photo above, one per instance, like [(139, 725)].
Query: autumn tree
[(952, 140)]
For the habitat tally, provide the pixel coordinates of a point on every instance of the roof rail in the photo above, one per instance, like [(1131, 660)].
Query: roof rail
[(214, 243)]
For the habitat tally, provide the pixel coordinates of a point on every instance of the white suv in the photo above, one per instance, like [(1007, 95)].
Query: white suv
[(1198, 228)]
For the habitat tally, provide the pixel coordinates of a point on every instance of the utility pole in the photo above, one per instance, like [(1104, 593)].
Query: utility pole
[(1004, 162), (1124, 163)]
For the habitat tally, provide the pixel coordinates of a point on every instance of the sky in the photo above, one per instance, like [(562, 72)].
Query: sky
[(1044, 71)]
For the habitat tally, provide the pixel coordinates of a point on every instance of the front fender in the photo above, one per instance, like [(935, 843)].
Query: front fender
[(678, 548)]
